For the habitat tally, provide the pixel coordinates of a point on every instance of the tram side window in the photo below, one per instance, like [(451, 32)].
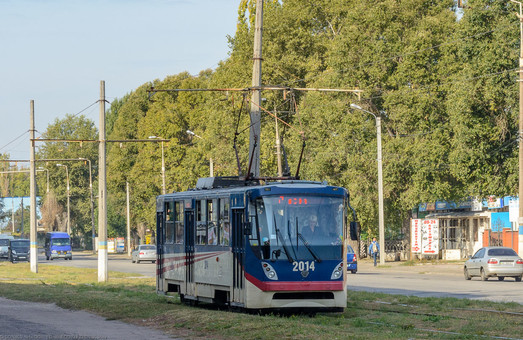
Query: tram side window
[(201, 222), (178, 222), (253, 238), (212, 222), (225, 225), (169, 222)]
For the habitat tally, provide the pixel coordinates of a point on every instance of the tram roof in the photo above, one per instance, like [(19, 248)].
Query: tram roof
[(215, 185)]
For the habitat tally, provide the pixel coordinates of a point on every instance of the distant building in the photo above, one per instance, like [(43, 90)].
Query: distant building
[(460, 229)]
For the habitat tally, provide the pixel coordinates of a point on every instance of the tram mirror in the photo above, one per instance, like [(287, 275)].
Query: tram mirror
[(354, 230), (247, 229)]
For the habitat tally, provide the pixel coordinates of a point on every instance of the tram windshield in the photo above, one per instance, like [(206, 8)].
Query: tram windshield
[(293, 227)]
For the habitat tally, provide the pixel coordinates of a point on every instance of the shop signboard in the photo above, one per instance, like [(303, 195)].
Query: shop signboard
[(477, 205), (494, 203), (430, 236), (415, 235), (120, 244)]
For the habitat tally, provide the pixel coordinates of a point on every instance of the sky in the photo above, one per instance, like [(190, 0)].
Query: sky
[(11, 203), (56, 52)]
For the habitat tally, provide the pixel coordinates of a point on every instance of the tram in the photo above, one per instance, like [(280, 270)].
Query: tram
[(254, 245)]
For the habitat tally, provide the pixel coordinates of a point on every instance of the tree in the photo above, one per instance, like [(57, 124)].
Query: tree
[(80, 128), (53, 216)]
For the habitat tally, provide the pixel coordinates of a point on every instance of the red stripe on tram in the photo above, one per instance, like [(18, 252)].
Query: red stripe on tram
[(295, 285)]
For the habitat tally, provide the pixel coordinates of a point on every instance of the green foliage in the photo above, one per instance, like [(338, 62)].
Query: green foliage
[(445, 89), (78, 128)]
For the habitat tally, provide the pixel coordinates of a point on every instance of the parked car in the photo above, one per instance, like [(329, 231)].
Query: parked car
[(4, 244), (352, 260), (18, 250), (497, 262), (144, 252)]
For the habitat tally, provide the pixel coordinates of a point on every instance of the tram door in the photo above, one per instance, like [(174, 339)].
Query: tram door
[(238, 252), (159, 251), (189, 251)]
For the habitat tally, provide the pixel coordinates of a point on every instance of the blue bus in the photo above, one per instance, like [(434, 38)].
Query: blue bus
[(58, 246), (275, 246)]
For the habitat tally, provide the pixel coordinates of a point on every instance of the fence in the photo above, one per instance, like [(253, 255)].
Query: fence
[(395, 250)]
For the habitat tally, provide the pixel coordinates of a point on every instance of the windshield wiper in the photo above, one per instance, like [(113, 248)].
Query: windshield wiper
[(313, 253), (282, 240)]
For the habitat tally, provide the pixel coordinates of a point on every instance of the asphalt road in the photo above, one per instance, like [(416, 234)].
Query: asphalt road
[(115, 262), (442, 280)]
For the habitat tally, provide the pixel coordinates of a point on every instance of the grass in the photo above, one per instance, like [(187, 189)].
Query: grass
[(368, 315)]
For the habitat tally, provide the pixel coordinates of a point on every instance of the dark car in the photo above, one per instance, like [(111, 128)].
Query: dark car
[(352, 260), (497, 262), (18, 250)]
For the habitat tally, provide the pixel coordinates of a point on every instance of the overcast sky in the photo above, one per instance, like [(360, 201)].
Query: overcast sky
[(57, 51)]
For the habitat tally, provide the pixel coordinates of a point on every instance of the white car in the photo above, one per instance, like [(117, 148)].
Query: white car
[(497, 262), (144, 252)]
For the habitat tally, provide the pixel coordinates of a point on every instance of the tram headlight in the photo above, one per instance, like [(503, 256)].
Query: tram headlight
[(337, 272), (269, 271)]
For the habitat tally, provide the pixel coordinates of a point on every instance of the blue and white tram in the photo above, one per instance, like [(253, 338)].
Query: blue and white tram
[(277, 246)]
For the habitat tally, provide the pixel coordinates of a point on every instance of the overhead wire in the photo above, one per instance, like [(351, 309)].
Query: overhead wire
[(14, 140)]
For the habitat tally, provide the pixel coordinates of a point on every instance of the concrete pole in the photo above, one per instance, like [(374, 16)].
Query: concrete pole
[(128, 220), (163, 172), (520, 131), (92, 206), (33, 256), (380, 194), (255, 112), (13, 214), (278, 145), (102, 193), (68, 201), (520, 134)]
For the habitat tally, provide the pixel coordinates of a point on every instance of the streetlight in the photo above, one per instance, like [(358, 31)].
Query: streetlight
[(68, 196), (92, 201), (381, 223), (211, 164), (163, 164)]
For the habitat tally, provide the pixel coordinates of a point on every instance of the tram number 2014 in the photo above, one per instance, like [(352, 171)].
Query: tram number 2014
[(300, 266)]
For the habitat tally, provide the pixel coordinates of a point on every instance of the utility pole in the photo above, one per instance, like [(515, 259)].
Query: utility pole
[(92, 205), (68, 226), (255, 113), (381, 213), (33, 256), (13, 213), (278, 145), (163, 173), (128, 220), (520, 132), (102, 193)]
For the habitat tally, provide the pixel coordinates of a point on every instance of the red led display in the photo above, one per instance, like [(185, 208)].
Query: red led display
[(292, 200)]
